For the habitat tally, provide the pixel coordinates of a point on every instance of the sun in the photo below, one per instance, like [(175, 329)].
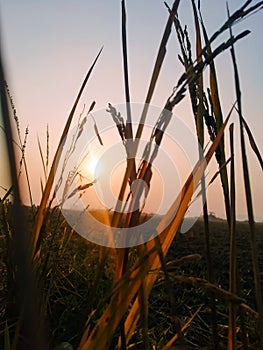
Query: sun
[(91, 164)]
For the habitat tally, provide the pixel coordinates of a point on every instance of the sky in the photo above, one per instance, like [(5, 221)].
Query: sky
[(48, 46)]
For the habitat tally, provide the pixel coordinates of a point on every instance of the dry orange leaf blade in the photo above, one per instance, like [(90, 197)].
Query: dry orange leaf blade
[(167, 228)]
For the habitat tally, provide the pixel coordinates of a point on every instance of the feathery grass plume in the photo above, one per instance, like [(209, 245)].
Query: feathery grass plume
[(71, 176), (42, 208), (249, 201), (21, 143)]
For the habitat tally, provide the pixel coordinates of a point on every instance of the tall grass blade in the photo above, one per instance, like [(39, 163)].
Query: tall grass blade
[(157, 67), (167, 235), (216, 107), (26, 296), (232, 252), (101, 335), (7, 338), (50, 180), (184, 327), (156, 70), (126, 72), (253, 143), (122, 255), (196, 91), (249, 202), (42, 159)]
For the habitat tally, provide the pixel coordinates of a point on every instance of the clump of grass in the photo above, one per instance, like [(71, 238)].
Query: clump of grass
[(110, 291)]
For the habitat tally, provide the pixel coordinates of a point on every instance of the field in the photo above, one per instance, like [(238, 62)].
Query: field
[(154, 289), (70, 276)]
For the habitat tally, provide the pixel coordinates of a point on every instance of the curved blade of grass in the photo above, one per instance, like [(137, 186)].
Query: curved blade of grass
[(101, 335), (253, 143), (50, 180), (166, 236), (157, 67)]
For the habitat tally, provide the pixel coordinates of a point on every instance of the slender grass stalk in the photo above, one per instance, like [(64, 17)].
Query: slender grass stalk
[(184, 327), (101, 335), (249, 202), (21, 144), (253, 143), (122, 256), (232, 253), (196, 91), (144, 310), (157, 67), (169, 287), (216, 108), (42, 159), (26, 308)]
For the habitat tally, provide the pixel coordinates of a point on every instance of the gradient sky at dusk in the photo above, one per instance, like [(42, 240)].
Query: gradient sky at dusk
[(49, 45)]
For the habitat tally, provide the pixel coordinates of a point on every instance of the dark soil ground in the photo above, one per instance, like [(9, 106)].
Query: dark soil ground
[(190, 296)]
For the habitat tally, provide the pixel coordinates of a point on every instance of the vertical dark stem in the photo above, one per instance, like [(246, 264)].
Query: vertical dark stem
[(29, 323), (232, 255), (249, 202)]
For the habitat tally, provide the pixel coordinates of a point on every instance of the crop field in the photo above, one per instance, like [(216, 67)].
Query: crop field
[(74, 275)]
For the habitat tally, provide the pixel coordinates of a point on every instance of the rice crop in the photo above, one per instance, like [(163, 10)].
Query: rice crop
[(174, 291)]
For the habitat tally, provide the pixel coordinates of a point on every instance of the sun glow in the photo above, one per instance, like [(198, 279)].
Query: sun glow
[(91, 165)]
